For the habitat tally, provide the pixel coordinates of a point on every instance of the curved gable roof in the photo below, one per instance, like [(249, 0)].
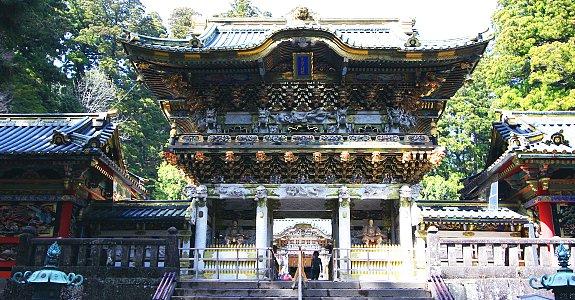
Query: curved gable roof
[(251, 39)]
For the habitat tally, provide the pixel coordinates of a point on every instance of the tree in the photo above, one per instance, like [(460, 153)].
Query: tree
[(439, 188), (95, 91), (244, 8), (465, 126), (30, 43), (170, 183), (181, 21), (532, 66), (93, 42)]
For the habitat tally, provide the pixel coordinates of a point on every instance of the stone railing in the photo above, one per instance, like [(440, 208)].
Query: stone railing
[(493, 257), (102, 254), (131, 266)]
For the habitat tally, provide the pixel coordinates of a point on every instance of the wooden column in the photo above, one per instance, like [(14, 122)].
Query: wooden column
[(65, 219), (546, 219)]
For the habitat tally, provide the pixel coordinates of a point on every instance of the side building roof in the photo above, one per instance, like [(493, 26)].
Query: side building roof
[(525, 135), (40, 136), (148, 210)]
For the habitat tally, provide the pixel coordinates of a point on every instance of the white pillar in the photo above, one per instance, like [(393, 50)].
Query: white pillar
[(405, 232), (262, 220), (270, 228), (405, 229), (419, 248), (344, 233), (201, 223)]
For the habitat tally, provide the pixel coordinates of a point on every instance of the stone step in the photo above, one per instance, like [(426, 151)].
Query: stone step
[(295, 298), (311, 285), (378, 293)]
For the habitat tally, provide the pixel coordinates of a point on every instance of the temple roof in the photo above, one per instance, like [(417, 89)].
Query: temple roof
[(53, 133), (535, 131), (474, 214), (149, 210), (253, 38), (526, 135), (231, 36), (61, 135)]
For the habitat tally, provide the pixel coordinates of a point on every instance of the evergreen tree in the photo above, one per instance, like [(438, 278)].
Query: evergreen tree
[(244, 8), (533, 62), (182, 20), (30, 43)]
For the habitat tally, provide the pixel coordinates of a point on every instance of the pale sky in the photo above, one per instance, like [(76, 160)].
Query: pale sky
[(435, 19)]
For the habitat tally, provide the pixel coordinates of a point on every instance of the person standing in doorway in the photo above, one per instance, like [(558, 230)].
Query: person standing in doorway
[(315, 266)]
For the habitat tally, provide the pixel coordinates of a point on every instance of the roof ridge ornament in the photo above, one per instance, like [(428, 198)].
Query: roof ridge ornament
[(558, 139), (301, 14), (413, 40), (195, 42), (60, 137)]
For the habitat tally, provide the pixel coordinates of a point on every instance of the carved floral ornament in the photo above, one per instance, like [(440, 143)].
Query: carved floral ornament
[(200, 156), (230, 156), (261, 156), (376, 157), (289, 157), (317, 156), (344, 156)]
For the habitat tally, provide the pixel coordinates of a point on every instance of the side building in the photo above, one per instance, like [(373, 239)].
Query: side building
[(532, 162), (52, 166)]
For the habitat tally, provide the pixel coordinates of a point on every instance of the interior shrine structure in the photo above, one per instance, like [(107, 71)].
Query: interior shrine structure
[(306, 117)]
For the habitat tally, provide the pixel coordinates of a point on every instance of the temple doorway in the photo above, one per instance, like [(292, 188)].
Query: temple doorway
[(312, 235)]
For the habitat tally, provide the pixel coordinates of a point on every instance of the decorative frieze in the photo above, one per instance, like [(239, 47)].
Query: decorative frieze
[(219, 139), (301, 191), (302, 139), (246, 139)]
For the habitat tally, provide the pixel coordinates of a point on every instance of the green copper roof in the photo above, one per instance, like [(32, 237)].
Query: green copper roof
[(238, 37)]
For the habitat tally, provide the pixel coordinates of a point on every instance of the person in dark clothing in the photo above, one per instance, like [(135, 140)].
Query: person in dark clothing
[(315, 266)]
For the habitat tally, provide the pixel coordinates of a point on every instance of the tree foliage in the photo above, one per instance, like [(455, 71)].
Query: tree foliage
[(170, 183), (244, 8), (533, 62), (181, 21), (439, 188), (30, 42)]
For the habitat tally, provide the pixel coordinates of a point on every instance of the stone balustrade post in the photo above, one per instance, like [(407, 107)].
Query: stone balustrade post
[(433, 256), (172, 251), (200, 242), (262, 221), (25, 251)]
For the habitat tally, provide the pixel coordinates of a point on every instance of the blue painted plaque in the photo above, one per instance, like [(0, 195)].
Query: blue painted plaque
[(302, 65)]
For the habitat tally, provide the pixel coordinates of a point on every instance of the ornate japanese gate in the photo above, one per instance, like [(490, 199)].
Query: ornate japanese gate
[(326, 118)]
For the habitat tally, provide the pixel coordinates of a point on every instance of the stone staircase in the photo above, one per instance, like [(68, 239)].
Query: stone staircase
[(316, 290)]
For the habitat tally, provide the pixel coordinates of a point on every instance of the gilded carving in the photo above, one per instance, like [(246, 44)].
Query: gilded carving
[(289, 157), (437, 156)]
